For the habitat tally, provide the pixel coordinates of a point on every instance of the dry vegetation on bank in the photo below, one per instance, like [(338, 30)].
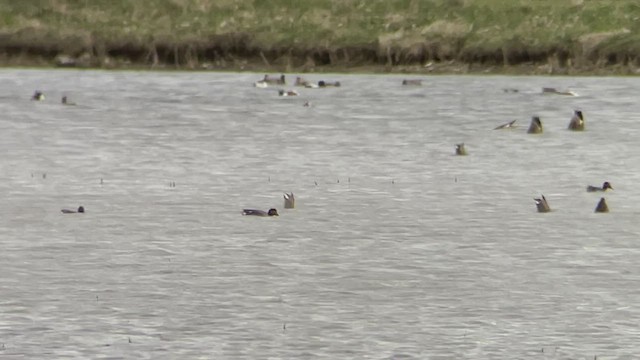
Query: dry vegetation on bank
[(541, 36)]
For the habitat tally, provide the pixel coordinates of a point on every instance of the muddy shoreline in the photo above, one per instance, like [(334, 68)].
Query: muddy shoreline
[(236, 53)]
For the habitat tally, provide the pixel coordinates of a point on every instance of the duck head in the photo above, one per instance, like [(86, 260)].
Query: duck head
[(272, 212)]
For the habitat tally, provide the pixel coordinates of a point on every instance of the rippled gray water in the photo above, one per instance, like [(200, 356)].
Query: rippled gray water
[(401, 251)]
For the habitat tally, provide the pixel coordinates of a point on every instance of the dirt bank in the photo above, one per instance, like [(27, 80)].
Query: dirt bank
[(239, 52), (421, 36)]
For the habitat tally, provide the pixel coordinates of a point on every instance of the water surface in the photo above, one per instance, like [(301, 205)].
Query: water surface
[(398, 249)]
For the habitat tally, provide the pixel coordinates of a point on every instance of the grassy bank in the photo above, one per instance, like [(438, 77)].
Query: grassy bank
[(541, 36)]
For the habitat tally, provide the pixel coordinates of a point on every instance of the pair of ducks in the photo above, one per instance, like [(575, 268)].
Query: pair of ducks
[(287, 92), (543, 206), (321, 84), (39, 96), (289, 203), (270, 80), (412, 82), (576, 124)]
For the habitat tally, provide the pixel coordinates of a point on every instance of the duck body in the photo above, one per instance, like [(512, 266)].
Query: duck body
[(460, 149), (254, 212), (287, 93), (536, 126), (602, 206), (37, 96), (554, 91), (577, 121), (289, 201), (542, 205), (509, 125)]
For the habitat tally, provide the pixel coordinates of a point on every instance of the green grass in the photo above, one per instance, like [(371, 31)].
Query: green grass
[(464, 26)]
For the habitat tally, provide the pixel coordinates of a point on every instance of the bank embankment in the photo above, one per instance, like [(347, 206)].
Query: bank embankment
[(417, 36)]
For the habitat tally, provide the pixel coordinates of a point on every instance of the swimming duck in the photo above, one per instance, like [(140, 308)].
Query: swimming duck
[(37, 96), (554, 91), (269, 80), (413, 82), (509, 125), (271, 212), (289, 201), (577, 121), (260, 84), (606, 185), (65, 101), (69, 211), (536, 126), (301, 82), (542, 204), (602, 206), (287, 93), (460, 149), (323, 83), (274, 80)]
